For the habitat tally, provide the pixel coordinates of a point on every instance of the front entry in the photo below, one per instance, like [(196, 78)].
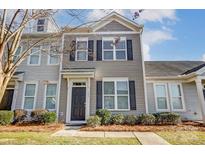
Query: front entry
[(7, 100), (78, 102)]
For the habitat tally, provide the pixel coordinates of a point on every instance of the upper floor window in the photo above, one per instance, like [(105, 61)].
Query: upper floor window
[(166, 97), (54, 56), (41, 25), (34, 57), (81, 49), (116, 94), (114, 48), (17, 53)]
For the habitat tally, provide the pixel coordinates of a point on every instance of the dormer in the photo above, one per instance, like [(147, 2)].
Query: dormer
[(45, 25)]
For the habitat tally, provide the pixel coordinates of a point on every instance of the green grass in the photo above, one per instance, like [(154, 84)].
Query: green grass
[(39, 138), (184, 137)]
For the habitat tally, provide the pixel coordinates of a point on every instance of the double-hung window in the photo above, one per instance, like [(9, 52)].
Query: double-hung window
[(34, 57), (50, 100), (115, 94), (176, 97), (54, 58), (169, 94), (114, 48), (81, 49), (41, 25), (17, 53), (29, 96), (161, 96)]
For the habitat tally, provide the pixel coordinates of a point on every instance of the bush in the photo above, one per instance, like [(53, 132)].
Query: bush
[(105, 116), (130, 119), (49, 117), (167, 118), (19, 115), (6, 117), (117, 119), (94, 121), (38, 115), (146, 119)]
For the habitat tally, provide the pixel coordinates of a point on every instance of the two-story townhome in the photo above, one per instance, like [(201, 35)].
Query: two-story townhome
[(102, 66)]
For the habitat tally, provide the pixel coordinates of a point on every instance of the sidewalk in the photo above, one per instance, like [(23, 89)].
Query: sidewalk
[(145, 138)]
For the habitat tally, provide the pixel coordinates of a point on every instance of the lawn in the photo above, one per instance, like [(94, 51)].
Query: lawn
[(39, 138), (183, 137)]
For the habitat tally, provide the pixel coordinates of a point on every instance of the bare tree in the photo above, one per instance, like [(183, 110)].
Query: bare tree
[(12, 26)]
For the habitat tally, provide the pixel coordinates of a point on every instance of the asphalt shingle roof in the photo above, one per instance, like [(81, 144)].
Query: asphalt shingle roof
[(171, 68)]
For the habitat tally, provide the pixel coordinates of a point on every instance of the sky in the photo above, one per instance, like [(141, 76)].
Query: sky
[(167, 35)]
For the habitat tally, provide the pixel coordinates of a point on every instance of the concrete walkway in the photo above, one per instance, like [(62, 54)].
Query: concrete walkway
[(145, 138)]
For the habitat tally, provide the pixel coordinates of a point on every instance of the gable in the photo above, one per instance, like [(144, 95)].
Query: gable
[(113, 26)]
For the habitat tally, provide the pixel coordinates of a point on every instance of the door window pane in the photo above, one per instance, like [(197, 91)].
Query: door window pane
[(109, 102), (109, 88), (122, 102)]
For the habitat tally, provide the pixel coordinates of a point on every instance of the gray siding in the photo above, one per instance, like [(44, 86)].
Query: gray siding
[(192, 107), (41, 74), (114, 26), (131, 69)]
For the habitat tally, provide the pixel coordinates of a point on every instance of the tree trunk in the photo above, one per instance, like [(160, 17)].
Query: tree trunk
[(4, 79)]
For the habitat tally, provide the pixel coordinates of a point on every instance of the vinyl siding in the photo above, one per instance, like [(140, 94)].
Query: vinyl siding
[(192, 107), (41, 74), (131, 69)]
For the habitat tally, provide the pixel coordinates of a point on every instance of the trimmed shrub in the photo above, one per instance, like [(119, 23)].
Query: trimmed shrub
[(19, 115), (94, 121), (105, 116), (117, 119), (6, 117), (167, 118), (130, 119), (37, 115), (49, 117), (146, 119)]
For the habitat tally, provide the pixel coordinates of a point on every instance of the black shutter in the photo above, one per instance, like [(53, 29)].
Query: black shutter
[(72, 52), (99, 50), (98, 94), (90, 50), (129, 50), (132, 95)]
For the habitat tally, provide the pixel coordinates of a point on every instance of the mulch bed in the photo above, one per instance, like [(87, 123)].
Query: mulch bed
[(185, 126), (32, 128)]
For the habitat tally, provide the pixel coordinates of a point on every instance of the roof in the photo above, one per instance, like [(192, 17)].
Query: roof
[(171, 68)]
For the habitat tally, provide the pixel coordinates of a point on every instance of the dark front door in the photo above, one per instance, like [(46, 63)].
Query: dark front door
[(7, 100), (78, 103)]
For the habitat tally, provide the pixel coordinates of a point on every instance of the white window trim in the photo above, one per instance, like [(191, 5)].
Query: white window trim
[(48, 61), (182, 97), (39, 60), (115, 95), (167, 98), (114, 49), (45, 89), (35, 95), (76, 52)]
